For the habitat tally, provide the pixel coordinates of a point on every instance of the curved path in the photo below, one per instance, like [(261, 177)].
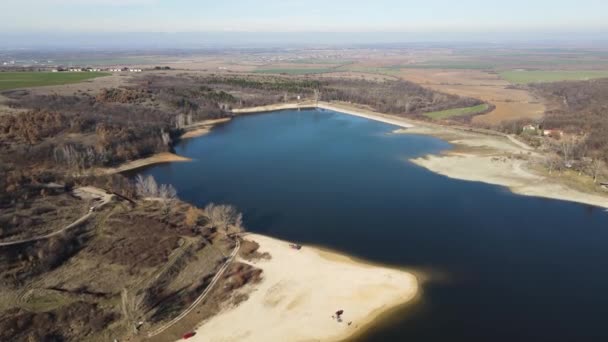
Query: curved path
[(105, 199), (203, 295)]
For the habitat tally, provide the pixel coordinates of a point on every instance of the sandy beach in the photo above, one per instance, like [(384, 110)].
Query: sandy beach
[(299, 292), (499, 161)]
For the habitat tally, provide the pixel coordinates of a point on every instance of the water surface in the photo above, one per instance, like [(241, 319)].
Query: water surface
[(505, 267)]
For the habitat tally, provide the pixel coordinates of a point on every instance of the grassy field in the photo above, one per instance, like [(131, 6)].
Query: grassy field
[(448, 65), (295, 71), (523, 77), (457, 112), (12, 80)]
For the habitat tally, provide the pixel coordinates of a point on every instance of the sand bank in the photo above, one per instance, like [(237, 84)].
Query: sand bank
[(301, 290), (164, 157), (201, 128), (500, 161)]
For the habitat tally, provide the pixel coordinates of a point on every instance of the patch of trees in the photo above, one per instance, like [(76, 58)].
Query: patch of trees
[(582, 110), (395, 97)]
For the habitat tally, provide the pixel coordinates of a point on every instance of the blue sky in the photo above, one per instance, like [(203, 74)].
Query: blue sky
[(297, 15)]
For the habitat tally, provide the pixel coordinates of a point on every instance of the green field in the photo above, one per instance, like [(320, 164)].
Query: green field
[(523, 77), (457, 112), (295, 71), (12, 80), (447, 65)]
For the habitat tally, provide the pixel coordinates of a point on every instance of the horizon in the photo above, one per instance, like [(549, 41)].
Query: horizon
[(248, 39), (145, 23)]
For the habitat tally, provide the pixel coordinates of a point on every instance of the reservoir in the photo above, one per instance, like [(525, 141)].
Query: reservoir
[(500, 267)]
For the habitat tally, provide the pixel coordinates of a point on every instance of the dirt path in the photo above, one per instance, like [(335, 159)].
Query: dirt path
[(203, 295), (85, 193)]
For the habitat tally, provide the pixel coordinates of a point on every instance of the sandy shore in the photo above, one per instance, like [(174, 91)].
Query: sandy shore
[(500, 161), (301, 290), (164, 157), (483, 156), (201, 128)]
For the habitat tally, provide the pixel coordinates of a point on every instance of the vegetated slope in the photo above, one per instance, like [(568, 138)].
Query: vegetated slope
[(160, 255), (581, 109)]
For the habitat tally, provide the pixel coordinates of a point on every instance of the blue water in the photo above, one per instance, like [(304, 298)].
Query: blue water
[(501, 267)]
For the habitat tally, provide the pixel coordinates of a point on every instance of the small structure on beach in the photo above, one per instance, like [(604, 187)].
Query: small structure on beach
[(295, 246)]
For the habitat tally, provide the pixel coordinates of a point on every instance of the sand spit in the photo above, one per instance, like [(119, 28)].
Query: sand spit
[(159, 158), (201, 128), (301, 290)]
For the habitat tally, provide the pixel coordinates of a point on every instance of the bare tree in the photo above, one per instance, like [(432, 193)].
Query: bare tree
[(552, 162), (146, 186), (595, 168), (167, 192), (224, 217), (567, 146)]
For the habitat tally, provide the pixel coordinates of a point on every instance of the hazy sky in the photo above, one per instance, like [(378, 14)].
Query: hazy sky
[(19, 16)]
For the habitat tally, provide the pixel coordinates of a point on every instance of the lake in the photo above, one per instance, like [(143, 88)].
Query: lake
[(501, 267)]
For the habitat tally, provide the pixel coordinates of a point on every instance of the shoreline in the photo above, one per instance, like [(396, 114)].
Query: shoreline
[(342, 108), (192, 131), (478, 155), (310, 284)]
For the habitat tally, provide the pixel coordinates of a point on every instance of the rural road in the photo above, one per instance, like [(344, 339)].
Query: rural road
[(203, 295), (84, 192)]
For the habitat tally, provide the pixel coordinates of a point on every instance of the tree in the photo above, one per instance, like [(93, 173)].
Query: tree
[(552, 162), (146, 187), (567, 146), (595, 168), (167, 194), (192, 216), (224, 217)]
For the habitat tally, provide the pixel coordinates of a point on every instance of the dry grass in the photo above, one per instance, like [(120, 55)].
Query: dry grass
[(511, 104)]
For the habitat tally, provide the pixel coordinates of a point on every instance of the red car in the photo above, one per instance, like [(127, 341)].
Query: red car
[(188, 335)]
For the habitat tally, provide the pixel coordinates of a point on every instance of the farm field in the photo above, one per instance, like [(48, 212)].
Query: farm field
[(13, 80), (537, 76), (511, 104), (295, 71), (444, 114)]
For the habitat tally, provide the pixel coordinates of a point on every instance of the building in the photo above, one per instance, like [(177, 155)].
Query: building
[(530, 128), (554, 133)]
